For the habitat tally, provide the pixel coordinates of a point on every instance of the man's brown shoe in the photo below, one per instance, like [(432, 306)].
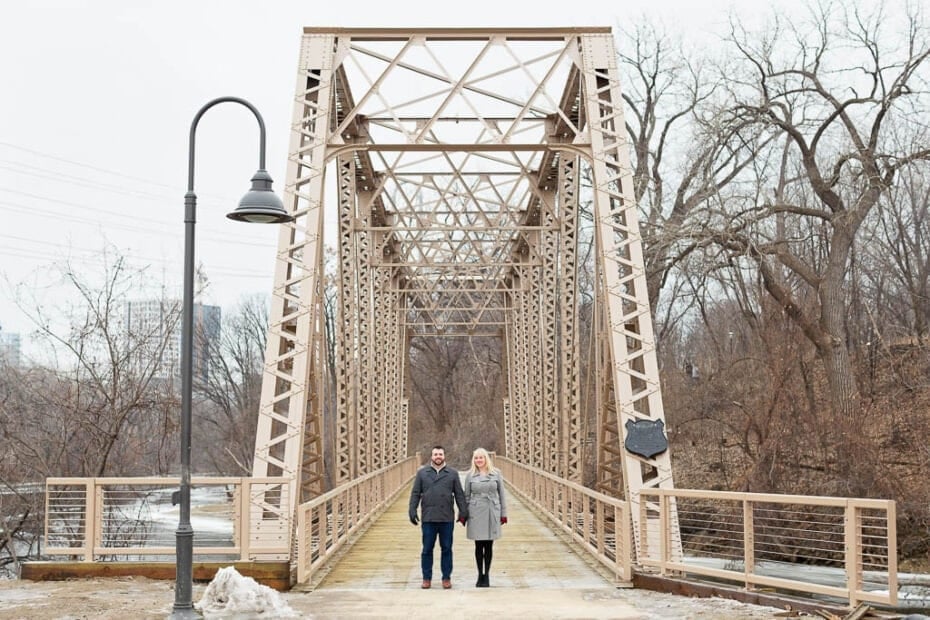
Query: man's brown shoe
[(426, 584), (446, 584)]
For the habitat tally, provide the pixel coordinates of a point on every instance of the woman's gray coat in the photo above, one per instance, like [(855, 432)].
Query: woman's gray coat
[(484, 495)]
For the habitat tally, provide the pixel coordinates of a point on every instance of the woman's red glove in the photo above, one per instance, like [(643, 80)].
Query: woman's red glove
[(462, 520), (503, 520)]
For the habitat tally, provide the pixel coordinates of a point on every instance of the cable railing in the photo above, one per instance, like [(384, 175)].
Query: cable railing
[(834, 547), (131, 519), (600, 524), (838, 548), (326, 523)]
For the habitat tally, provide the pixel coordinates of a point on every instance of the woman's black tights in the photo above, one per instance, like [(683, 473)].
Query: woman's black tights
[(484, 551)]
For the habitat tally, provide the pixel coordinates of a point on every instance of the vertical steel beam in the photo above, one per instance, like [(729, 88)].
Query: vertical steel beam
[(609, 477), (387, 324), (380, 371), (634, 368), (405, 364), (312, 478), (569, 407), (346, 435), (535, 294), (525, 336), (284, 411), (514, 324), (548, 287), (520, 408), (365, 281), (507, 334), (396, 388)]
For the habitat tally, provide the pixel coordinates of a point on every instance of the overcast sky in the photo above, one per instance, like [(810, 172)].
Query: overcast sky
[(98, 97)]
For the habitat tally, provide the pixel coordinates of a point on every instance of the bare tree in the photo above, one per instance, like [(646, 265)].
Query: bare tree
[(837, 91), (898, 274), (229, 391), (685, 147), (455, 387), (107, 391)]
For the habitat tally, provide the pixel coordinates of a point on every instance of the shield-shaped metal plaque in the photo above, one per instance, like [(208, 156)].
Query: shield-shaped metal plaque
[(645, 437)]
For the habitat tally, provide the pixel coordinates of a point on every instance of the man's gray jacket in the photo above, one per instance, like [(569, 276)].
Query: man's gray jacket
[(434, 492)]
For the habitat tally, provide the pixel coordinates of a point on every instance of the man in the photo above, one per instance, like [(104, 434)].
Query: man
[(434, 488)]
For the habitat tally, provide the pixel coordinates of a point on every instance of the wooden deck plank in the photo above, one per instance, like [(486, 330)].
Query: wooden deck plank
[(529, 555)]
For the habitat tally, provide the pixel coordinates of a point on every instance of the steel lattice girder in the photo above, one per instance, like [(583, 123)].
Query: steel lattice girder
[(456, 157), (634, 364), (288, 434)]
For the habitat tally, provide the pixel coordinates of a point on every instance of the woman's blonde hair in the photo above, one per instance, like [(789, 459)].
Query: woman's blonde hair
[(487, 460)]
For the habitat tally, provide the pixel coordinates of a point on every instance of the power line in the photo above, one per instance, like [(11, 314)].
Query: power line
[(83, 165), (167, 228), (93, 258), (44, 173), (139, 224)]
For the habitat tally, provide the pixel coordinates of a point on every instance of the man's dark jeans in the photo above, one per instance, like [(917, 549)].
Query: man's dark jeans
[(432, 529)]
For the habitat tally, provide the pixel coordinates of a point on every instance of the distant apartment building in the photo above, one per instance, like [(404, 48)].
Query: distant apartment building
[(154, 325), (9, 348)]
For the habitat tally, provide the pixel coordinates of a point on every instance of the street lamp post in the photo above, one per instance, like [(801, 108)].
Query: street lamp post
[(259, 205)]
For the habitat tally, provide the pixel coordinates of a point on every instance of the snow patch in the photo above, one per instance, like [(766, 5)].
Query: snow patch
[(230, 595)]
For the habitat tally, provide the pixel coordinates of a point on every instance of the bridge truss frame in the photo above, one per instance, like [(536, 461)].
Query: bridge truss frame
[(453, 160)]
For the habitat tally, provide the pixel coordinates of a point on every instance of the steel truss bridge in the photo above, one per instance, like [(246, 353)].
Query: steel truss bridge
[(452, 159), (450, 162)]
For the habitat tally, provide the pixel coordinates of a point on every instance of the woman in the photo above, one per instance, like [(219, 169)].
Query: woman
[(487, 510)]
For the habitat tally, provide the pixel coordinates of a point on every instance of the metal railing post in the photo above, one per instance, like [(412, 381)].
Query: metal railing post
[(91, 525), (749, 543), (245, 518)]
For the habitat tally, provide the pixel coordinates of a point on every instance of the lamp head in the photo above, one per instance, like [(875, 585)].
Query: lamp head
[(261, 205)]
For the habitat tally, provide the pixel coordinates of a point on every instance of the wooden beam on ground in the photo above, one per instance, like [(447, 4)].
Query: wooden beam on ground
[(275, 575), (685, 587)]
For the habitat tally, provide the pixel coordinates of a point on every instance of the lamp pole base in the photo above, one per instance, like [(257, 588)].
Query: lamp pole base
[(185, 614)]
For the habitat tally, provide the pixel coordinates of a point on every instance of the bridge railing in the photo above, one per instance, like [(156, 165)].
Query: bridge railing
[(600, 524), (125, 519), (327, 522), (830, 546)]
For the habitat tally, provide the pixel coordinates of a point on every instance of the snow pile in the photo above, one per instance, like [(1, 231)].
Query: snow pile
[(232, 595)]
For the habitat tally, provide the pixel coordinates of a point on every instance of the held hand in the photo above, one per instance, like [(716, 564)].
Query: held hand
[(503, 520), (462, 520), (414, 520)]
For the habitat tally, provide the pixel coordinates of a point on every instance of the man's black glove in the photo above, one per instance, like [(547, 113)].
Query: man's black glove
[(413, 518)]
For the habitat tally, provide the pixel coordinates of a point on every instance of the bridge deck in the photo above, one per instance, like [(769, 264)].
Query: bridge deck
[(387, 556), (535, 574)]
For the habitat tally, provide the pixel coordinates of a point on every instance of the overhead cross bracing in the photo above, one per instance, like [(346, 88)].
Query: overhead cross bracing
[(453, 132), (450, 162)]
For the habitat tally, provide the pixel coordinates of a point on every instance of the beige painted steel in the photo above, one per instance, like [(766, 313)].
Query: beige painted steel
[(609, 440), (457, 156), (289, 434), (630, 339), (346, 439), (571, 445), (549, 418)]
